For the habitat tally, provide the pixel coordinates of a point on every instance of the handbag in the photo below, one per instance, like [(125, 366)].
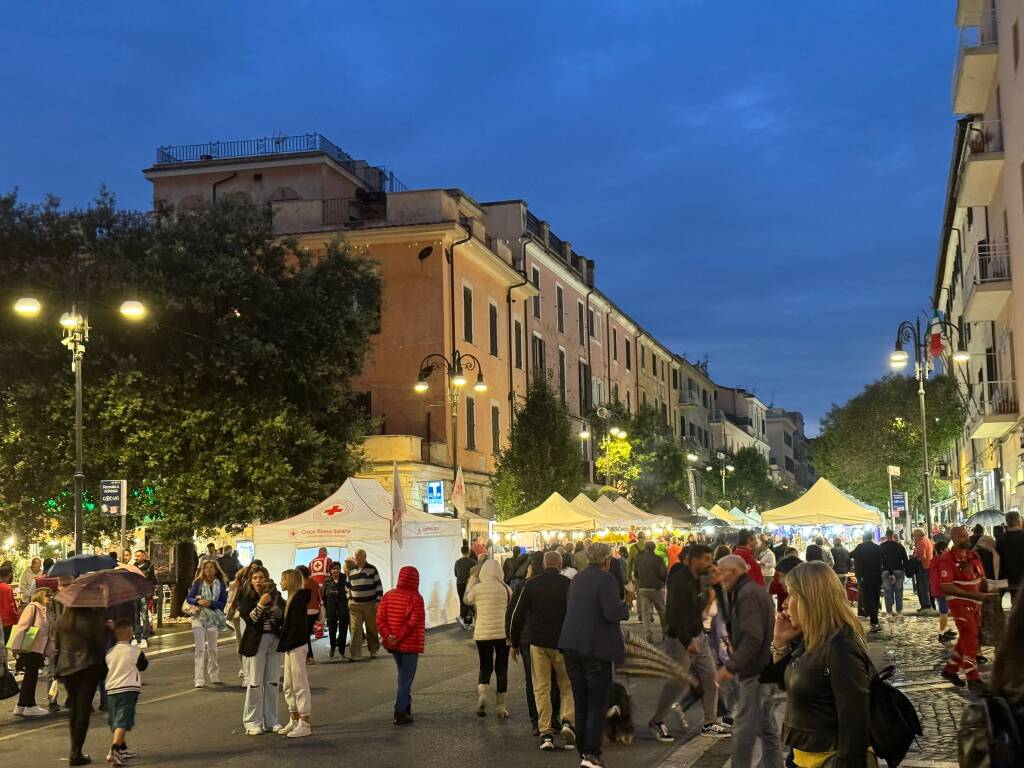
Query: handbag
[(23, 638), (188, 610)]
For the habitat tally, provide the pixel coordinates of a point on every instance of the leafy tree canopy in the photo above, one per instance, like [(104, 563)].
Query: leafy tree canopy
[(229, 403)]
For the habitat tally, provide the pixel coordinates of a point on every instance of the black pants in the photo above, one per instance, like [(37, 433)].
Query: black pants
[(311, 619), (32, 663), (337, 631), (591, 680), (869, 593), (465, 611), (81, 688), (493, 658)]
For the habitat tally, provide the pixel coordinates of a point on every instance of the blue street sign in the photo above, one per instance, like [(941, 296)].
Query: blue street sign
[(114, 498), (435, 497), (899, 501)]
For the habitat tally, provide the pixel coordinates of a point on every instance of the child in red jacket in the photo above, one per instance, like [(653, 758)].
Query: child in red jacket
[(401, 622)]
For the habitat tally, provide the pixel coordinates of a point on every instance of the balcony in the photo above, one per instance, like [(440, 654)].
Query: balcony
[(717, 416), (689, 398), (987, 282), (993, 409), (976, 59), (981, 163)]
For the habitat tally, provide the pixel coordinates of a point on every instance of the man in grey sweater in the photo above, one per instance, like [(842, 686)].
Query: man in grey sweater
[(752, 625), (650, 574)]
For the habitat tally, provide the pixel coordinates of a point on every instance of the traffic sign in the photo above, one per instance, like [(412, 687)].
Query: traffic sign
[(894, 471), (114, 498), (899, 501)]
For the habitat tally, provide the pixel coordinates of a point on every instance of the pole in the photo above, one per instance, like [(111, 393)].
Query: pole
[(921, 375), (79, 478), (892, 508)]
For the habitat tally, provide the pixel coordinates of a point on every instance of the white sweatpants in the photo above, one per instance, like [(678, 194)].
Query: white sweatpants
[(296, 681), (206, 653)]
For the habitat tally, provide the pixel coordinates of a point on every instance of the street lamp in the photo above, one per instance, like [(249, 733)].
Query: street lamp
[(455, 372), (910, 333), (724, 468), (691, 459), (75, 325)]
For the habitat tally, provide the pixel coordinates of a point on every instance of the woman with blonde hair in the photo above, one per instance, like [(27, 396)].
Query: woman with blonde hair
[(821, 661), (33, 621), (294, 634)]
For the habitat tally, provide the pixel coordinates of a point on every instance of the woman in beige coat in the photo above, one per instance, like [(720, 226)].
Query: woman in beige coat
[(488, 593)]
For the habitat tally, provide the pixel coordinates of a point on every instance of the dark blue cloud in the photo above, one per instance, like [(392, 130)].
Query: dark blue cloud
[(759, 182)]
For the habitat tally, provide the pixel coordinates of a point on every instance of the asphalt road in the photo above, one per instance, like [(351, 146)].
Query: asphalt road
[(352, 709)]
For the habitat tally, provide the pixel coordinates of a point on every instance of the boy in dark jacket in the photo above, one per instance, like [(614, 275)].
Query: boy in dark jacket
[(401, 621)]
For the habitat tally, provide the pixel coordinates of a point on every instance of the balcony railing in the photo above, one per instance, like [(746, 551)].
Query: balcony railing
[(556, 244), (983, 137), (376, 178), (532, 224), (990, 263), (717, 416), (973, 38), (994, 398), (688, 398)]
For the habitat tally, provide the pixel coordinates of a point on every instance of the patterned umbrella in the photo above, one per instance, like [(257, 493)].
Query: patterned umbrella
[(76, 565), (644, 659), (103, 589)]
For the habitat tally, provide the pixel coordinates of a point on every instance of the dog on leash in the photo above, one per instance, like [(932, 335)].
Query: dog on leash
[(618, 727)]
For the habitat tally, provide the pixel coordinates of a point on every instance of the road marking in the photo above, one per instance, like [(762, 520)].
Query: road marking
[(689, 753)]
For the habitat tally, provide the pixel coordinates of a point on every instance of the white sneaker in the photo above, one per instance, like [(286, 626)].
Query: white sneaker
[(253, 731), (200, 685), (18, 711), (284, 730), (300, 730), (143, 643), (35, 712)]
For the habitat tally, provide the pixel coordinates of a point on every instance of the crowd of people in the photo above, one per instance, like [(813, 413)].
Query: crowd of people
[(751, 621)]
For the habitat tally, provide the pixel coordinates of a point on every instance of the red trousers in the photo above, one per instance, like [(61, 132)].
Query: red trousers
[(967, 616)]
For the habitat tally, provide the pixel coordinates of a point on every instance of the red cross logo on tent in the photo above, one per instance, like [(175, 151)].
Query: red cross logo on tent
[(332, 511)]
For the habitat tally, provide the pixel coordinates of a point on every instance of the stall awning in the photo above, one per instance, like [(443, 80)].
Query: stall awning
[(823, 504), (555, 514)]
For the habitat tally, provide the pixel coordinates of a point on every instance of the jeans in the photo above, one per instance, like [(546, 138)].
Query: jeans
[(545, 663), (296, 682), (359, 614), (465, 611), (337, 631), (141, 619), (206, 664), (892, 586), (32, 663), (493, 659), (702, 666), (406, 665), (651, 598), (923, 584), (81, 687), (591, 680), (869, 595), (753, 719), (262, 671)]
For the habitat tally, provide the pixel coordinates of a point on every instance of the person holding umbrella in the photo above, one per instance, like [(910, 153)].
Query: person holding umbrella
[(209, 594), (81, 656)]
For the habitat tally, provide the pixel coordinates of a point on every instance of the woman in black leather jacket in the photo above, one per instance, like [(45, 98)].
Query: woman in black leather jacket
[(820, 649)]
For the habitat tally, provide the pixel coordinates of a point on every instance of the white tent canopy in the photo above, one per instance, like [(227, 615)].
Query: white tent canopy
[(554, 514), (607, 515), (358, 516), (646, 517)]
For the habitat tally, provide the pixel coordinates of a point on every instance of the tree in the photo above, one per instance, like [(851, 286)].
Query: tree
[(542, 456), (230, 403), (882, 426), (749, 485), (616, 463), (660, 459)]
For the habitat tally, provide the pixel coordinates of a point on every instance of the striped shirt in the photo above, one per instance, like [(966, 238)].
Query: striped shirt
[(364, 585)]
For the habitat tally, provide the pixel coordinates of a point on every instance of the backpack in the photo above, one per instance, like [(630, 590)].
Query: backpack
[(894, 721), (989, 735)]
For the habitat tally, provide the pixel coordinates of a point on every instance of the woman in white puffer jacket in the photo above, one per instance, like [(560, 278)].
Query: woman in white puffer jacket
[(488, 593)]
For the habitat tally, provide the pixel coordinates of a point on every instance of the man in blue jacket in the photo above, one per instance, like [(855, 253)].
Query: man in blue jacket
[(591, 642)]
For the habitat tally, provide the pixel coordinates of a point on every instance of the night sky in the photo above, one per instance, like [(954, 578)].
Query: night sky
[(759, 182)]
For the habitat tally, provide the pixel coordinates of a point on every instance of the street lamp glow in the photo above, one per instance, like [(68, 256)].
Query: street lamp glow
[(421, 385), (27, 306), (584, 434), (730, 468), (133, 309), (459, 378), (898, 359), (480, 385), (692, 457), (961, 355), (70, 320), (622, 434)]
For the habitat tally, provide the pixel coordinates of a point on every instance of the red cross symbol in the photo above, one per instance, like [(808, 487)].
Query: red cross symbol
[(331, 511)]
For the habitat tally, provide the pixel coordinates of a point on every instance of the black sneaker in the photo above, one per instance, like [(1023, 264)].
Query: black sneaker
[(981, 659), (569, 735), (954, 678), (716, 731), (876, 628), (547, 743), (661, 732)]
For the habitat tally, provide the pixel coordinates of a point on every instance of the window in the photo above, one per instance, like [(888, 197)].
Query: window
[(467, 313), (707, 439), (539, 358), (579, 321), (682, 425), (629, 401), (643, 398), (615, 392), (654, 365), (584, 387), (643, 358), (629, 356), (664, 413), (675, 379), (598, 391), (704, 398), (693, 429), (561, 374), (615, 345), (495, 430), (470, 424), (789, 464), (536, 299), (560, 307), (788, 437), (591, 325), (519, 345), (492, 316)]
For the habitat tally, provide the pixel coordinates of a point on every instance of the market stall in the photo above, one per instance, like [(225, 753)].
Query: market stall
[(823, 505), (647, 519), (554, 514), (358, 516)]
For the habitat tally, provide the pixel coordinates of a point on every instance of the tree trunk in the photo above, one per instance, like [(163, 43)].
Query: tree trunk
[(184, 573)]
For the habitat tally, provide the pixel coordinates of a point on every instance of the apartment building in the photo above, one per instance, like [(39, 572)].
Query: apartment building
[(789, 460), (740, 421), (981, 256)]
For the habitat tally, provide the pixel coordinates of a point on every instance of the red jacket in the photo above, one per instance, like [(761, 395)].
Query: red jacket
[(9, 613), (753, 567), (401, 614)]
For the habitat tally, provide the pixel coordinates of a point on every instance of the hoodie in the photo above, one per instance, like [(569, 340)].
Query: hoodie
[(488, 592), (401, 615)]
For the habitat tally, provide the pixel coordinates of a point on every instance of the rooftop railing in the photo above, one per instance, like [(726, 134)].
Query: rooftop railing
[(376, 178), (980, 33)]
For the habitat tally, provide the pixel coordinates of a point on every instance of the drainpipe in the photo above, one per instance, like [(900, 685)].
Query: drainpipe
[(636, 369), (450, 256), (608, 351), (590, 360), (511, 352), (218, 183)]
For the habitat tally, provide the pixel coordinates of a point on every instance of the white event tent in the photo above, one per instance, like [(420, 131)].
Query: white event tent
[(358, 516), (553, 514)]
